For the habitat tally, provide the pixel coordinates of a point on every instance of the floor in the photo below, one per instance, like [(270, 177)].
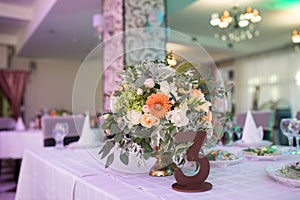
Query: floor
[(7, 182)]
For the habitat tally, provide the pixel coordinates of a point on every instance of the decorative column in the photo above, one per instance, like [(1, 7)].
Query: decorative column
[(134, 33), (113, 47), (145, 33)]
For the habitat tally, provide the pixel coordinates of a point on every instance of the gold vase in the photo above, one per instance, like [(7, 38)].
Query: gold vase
[(164, 165)]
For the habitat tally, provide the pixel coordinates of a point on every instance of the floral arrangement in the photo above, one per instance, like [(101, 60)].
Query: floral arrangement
[(153, 103)]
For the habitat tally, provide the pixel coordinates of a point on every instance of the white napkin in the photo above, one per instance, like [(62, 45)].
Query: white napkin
[(251, 133), (20, 126), (89, 137)]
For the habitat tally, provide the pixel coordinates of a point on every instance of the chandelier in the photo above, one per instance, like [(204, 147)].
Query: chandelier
[(234, 25), (296, 36), (296, 39)]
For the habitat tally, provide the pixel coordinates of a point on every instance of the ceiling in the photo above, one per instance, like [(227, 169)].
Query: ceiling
[(62, 29)]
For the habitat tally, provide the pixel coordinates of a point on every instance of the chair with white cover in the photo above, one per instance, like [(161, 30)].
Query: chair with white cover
[(298, 115), (263, 118), (75, 126)]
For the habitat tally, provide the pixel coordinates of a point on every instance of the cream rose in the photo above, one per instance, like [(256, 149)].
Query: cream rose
[(133, 117), (112, 103), (165, 87), (148, 120), (149, 83), (178, 117), (205, 107)]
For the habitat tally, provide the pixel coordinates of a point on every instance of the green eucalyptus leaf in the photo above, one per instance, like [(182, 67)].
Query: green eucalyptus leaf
[(118, 137), (140, 82), (109, 160), (143, 133), (183, 145), (114, 129), (146, 156), (117, 93), (106, 149), (124, 158)]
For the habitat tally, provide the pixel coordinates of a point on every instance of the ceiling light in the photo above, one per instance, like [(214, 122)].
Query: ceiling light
[(234, 25), (171, 59), (296, 36)]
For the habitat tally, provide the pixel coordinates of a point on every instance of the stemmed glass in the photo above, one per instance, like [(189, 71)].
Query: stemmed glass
[(238, 131), (290, 128), (230, 127), (59, 132), (297, 136)]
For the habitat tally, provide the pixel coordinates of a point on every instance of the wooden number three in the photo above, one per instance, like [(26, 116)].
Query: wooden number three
[(195, 183)]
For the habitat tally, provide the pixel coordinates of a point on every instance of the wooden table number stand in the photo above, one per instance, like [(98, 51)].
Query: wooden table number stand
[(195, 183)]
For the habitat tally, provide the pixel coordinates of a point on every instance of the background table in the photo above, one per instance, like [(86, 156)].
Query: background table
[(13, 143), (77, 174)]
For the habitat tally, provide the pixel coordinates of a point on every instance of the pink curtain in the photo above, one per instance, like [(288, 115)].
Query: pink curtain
[(12, 83)]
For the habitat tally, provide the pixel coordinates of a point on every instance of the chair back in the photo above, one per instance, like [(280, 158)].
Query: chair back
[(75, 127), (7, 123), (261, 118), (298, 115)]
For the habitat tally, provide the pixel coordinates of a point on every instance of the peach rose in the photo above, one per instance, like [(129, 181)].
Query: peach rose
[(148, 120), (197, 93), (208, 117)]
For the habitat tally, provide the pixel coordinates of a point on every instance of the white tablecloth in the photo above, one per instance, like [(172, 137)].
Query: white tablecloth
[(76, 174), (13, 143)]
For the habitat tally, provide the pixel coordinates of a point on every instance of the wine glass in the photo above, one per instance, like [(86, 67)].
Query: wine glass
[(230, 127), (290, 128), (297, 136), (238, 131), (59, 132)]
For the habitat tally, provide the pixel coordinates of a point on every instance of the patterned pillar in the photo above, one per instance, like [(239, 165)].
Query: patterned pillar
[(145, 36), (113, 48), (135, 32)]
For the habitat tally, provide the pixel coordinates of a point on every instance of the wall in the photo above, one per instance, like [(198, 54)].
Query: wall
[(274, 72), (3, 57), (50, 85)]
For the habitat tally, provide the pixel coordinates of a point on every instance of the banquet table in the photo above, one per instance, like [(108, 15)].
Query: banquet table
[(13, 143), (64, 174)]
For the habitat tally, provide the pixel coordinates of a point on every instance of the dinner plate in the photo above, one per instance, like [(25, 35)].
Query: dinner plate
[(260, 144), (225, 163), (274, 173), (280, 154)]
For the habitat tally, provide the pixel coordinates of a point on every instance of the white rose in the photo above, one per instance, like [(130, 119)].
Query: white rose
[(178, 117), (149, 83), (112, 103), (139, 91), (165, 87), (133, 117)]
